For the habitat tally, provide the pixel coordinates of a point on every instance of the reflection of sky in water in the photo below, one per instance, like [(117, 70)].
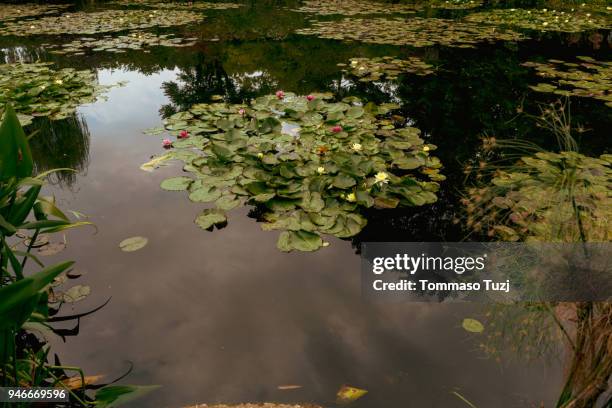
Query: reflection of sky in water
[(225, 316)]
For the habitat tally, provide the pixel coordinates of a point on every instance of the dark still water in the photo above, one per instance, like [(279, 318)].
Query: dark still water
[(224, 316)]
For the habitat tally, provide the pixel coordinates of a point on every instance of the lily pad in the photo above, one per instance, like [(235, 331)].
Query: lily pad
[(211, 217), (176, 183), (133, 244), (472, 325)]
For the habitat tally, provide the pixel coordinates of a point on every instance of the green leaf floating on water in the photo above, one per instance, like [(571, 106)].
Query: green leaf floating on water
[(299, 240), (133, 244), (472, 325), (310, 165), (176, 183), (211, 217)]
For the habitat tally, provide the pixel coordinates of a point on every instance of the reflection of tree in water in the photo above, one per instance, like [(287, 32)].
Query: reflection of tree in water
[(60, 144), (208, 78)]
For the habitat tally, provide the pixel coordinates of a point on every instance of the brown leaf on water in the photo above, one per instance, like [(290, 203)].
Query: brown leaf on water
[(75, 382), (289, 387), (347, 394)]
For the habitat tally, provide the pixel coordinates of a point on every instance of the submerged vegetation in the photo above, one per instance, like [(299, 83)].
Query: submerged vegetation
[(585, 78), (36, 89), (415, 32), (311, 163)]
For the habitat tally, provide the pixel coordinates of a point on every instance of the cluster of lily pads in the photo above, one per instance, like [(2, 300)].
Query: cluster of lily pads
[(543, 20), (587, 78), (374, 69), (538, 199), (15, 11), (177, 6), (310, 163), (353, 7), (416, 32), (455, 4), (134, 41), (100, 22), (38, 90)]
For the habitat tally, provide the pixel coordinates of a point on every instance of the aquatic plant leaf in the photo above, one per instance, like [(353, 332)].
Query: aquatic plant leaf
[(176, 183), (354, 7), (472, 325), (211, 217), (299, 240), (347, 394), (133, 244), (15, 156), (389, 68), (76, 293), (116, 395), (415, 32), (18, 11)]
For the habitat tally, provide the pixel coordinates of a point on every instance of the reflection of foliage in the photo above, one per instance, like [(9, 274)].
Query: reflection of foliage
[(101, 22), (353, 7), (209, 79), (38, 90), (60, 144), (416, 32), (545, 20), (374, 69), (588, 78), (313, 164)]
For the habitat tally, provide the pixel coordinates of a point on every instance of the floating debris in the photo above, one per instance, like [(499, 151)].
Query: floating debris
[(353, 7), (416, 32), (14, 11), (133, 41), (38, 90), (374, 69), (588, 78), (313, 165), (100, 22), (543, 20)]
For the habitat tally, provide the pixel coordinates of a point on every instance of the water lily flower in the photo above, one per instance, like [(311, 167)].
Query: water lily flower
[(356, 147), (351, 198), (321, 170), (426, 148), (381, 177), (310, 98), (167, 143), (183, 135), (43, 87), (59, 81), (280, 94), (241, 111), (336, 129), (260, 155)]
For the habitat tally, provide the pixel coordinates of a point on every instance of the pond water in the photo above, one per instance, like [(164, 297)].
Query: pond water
[(224, 316)]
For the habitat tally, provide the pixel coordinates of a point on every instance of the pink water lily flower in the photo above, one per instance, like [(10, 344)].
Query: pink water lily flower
[(167, 143), (183, 135), (280, 94), (336, 129), (241, 112), (310, 97)]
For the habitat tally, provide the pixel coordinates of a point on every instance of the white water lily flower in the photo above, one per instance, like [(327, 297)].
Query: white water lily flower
[(426, 148), (59, 81), (356, 147), (260, 155), (381, 177), (351, 198), (321, 170)]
